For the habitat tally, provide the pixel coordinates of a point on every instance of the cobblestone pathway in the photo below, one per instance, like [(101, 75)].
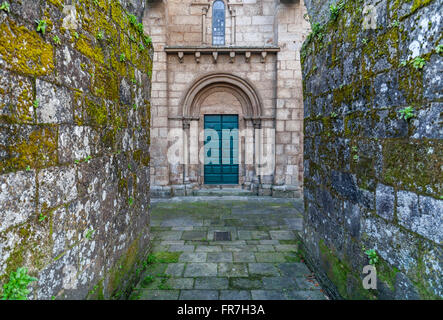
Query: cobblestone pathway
[(260, 262)]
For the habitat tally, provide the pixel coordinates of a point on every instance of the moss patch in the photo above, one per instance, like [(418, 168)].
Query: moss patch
[(24, 50)]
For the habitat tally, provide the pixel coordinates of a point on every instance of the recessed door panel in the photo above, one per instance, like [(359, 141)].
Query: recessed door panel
[(221, 149)]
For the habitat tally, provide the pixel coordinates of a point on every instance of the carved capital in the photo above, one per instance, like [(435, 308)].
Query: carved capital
[(256, 123), (180, 55), (186, 124)]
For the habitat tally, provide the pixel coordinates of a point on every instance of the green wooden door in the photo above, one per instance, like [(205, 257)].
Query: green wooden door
[(221, 149)]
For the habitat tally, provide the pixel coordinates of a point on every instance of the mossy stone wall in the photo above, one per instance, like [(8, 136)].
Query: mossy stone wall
[(373, 179), (74, 145)]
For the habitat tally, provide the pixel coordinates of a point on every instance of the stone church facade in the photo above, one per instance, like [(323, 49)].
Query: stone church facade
[(227, 66)]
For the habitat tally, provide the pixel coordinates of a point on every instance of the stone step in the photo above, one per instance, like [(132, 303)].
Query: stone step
[(223, 192)]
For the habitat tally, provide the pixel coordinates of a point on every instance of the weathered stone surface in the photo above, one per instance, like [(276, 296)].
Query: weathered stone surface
[(53, 103), (201, 270), (74, 143), (57, 186), (421, 215), (211, 283), (427, 122), (198, 295), (17, 198), (69, 194), (235, 295), (365, 178), (385, 201)]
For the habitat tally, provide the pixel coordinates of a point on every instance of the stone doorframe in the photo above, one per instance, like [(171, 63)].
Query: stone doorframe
[(250, 117)]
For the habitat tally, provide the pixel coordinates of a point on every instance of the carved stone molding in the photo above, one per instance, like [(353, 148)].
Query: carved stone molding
[(186, 123), (231, 57), (263, 56), (256, 123), (197, 56), (215, 51), (215, 56), (244, 91), (180, 55)]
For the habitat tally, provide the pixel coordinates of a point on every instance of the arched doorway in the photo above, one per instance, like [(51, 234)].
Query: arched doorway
[(224, 110)]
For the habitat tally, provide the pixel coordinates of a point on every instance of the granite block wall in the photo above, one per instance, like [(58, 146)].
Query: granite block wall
[(373, 157), (74, 145)]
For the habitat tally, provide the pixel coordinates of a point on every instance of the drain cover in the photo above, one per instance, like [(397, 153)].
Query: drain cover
[(222, 236)]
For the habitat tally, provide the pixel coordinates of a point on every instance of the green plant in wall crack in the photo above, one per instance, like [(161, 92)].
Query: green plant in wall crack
[(140, 28), (334, 115), (439, 49), (334, 10), (17, 287), (41, 26), (122, 57), (372, 256), (407, 113), (56, 40), (141, 47), (418, 63), (87, 159), (100, 35), (131, 201), (42, 217), (355, 156), (133, 19), (394, 24), (5, 6), (36, 103), (89, 233)]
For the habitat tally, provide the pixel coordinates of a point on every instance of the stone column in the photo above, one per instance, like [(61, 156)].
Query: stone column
[(186, 143), (233, 31), (204, 13), (257, 152)]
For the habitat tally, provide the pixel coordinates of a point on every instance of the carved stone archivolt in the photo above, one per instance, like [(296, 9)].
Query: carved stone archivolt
[(241, 88)]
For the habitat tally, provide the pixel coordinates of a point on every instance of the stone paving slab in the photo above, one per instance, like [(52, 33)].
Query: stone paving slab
[(201, 270), (261, 262), (235, 295), (159, 295), (180, 283), (263, 269), (244, 256), (232, 270), (220, 257), (199, 295), (193, 257), (211, 283)]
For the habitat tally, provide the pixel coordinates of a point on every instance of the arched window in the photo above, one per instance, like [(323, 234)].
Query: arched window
[(218, 23)]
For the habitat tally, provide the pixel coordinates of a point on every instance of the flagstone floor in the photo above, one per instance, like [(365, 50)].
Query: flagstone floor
[(260, 262)]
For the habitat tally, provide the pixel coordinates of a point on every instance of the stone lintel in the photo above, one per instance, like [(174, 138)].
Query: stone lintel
[(196, 118)]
